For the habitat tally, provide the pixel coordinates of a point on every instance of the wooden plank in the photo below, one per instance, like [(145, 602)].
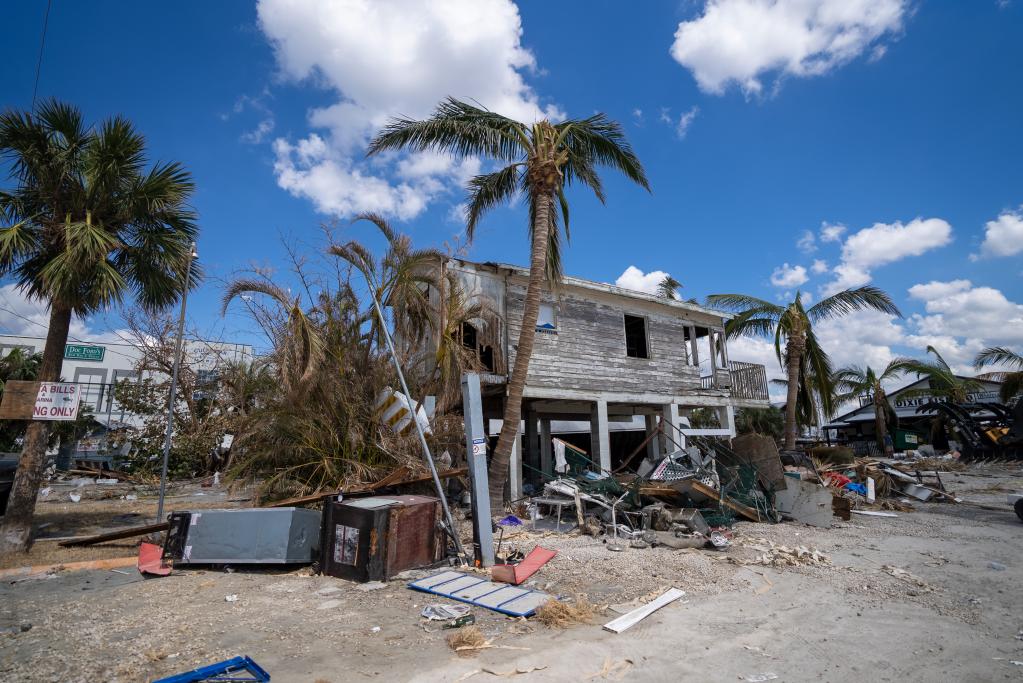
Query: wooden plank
[(127, 532), (747, 512), (637, 615), (111, 563), (19, 399)]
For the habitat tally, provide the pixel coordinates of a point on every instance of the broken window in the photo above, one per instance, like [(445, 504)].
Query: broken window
[(635, 336), (485, 353)]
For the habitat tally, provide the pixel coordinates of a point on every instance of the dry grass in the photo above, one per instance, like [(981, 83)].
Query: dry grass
[(466, 640), (938, 465), (558, 614)]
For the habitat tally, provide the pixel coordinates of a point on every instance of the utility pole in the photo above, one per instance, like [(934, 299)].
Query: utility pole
[(192, 255), (476, 455)]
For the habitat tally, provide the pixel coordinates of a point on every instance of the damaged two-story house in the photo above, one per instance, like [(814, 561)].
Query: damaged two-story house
[(605, 355)]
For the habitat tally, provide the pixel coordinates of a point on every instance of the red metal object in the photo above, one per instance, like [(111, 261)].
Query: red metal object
[(151, 560), (517, 573)]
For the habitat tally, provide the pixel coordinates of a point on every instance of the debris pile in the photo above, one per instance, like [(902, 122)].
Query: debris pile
[(774, 555)]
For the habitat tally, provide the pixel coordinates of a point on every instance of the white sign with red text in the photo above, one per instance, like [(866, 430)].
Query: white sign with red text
[(57, 401)]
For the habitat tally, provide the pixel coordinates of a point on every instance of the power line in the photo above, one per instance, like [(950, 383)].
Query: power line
[(42, 45)]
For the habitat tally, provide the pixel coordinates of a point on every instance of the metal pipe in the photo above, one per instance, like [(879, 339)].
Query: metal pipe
[(174, 383), (419, 427)]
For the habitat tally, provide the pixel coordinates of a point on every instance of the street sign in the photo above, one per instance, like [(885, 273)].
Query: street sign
[(479, 446), (84, 352), (57, 401)]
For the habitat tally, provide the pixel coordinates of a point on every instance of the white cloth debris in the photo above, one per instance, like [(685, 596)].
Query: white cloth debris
[(560, 464)]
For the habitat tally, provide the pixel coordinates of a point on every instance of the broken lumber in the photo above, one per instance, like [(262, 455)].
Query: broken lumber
[(747, 512), (127, 532), (110, 563), (369, 488), (640, 613)]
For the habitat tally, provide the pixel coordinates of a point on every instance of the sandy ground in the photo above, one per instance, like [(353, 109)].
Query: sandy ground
[(932, 595)]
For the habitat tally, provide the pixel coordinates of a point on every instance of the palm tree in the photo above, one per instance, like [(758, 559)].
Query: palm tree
[(541, 160), (668, 288), (793, 326), (942, 381), (854, 381), (1012, 379), (84, 225)]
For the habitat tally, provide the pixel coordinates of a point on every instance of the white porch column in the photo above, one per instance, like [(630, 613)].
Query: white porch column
[(600, 436), (726, 416), (546, 465), (515, 470), (671, 421)]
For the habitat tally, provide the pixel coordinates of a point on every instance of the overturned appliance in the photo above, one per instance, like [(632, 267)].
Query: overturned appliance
[(246, 536), (372, 539)]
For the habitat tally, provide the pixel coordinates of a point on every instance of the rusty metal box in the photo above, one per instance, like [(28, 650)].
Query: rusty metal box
[(372, 539)]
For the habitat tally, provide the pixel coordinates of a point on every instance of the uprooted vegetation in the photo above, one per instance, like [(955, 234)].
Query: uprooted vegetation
[(315, 425)]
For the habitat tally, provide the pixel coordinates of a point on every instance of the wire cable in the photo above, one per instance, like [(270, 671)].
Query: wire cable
[(42, 45)]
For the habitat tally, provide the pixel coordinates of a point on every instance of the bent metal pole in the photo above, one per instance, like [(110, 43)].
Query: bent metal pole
[(419, 428)]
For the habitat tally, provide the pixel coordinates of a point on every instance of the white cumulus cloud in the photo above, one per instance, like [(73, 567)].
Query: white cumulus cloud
[(819, 267), (807, 242), (387, 58), (743, 41), (885, 243), (831, 232), (960, 309), (1003, 236), (635, 279), (788, 276)]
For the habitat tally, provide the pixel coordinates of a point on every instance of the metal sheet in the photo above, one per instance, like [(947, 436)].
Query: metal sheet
[(500, 597)]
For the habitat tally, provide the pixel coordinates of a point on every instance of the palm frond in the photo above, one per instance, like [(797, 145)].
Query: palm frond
[(457, 127), (487, 192), (998, 355), (850, 300)]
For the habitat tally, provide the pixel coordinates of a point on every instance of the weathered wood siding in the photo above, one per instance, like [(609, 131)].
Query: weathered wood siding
[(588, 352)]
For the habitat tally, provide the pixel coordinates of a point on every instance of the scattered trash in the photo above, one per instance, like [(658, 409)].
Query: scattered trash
[(517, 573), (467, 620), (441, 612), (874, 513), (375, 629), (14, 630), (759, 678), (231, 598), (75, 497), (510, 520), (997, 566), (151, 560), (626, 621), (45, 492), (131, 496)]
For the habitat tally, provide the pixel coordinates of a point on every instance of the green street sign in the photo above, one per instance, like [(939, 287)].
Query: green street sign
[(83, 352)]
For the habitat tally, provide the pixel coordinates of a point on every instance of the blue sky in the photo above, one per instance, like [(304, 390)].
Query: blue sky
[(895, 124)]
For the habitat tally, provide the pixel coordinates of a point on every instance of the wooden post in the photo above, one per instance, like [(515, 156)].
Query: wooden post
[(653, 446), (600, 436), (546, 459), (670, 420), (530, 443), (695, 359)]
